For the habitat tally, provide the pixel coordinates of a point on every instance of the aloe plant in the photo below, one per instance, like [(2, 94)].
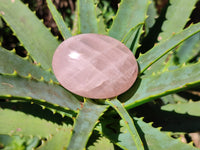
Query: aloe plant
[(37, 112)]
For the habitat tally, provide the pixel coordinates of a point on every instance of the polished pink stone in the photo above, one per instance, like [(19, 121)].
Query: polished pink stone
[(94, 66)]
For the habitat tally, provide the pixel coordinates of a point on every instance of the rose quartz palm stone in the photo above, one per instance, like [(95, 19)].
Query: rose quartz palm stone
[(94, 66)]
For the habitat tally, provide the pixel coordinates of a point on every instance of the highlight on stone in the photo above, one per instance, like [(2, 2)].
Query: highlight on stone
[(94, 66)]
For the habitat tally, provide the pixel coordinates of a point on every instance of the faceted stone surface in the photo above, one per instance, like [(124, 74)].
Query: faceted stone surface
[(94, 66)]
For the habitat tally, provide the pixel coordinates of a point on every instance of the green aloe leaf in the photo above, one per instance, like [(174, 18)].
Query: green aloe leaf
[(130, 14), (55, 115), (149, 58), (86, 120), (152, 15), (152, 138), (174, 23), (129, 124), (188, 49), (87, 17), (18, 142), (16, 87), (173, 99), (30, 31), (161, 84), (15, 63), (76, 20), (159, 66), (132, 37), (191, 108), (169, 28), (58, 141), (102, 143), (65, 32), (100, 21), (18, 123)]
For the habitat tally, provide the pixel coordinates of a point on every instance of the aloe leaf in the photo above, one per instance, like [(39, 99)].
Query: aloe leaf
[(188, 49), (47, 113), (130, 33), (152, 15), (161, 84), (102, 143), (30, 31), (130, 14), (32, 106), (62, 137), (87, 118), (173, 99), (100, 21), (175, 22), (165, 63), (176, 122), (10, 62), (169, 28), (128, 122), (149, 58), (87, 17), (75, 28), (110, 128), (18, 123), (191, 108), (101, 26), (16, 87), (178, 98), (65, 32), (159, 66), (152, 138), (131, 39), (18, 143)]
